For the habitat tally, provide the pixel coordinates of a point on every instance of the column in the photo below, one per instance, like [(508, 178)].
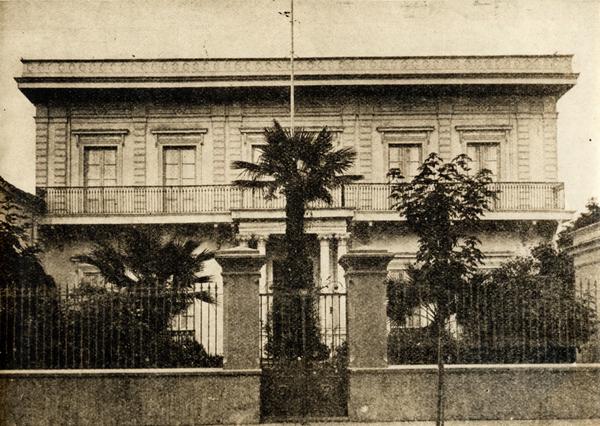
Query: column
[(365, 271), (342, 249), (261, 245), (325, 273), (241, 316), (243, 239)]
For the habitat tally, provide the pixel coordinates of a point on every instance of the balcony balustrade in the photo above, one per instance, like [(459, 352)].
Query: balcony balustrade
[(206, 199)]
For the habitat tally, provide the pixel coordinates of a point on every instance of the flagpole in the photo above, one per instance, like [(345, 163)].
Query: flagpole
[(292, 108)]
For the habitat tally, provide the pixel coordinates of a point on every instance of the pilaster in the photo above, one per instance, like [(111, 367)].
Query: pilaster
[(241, 311), (366, 270)]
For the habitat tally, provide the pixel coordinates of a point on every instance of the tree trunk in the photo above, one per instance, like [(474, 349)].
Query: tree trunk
[(295, 325), (441, 371), (297, 263)]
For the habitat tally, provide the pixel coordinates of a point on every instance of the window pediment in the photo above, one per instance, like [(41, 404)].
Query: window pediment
[(179, 136), (483, 134)]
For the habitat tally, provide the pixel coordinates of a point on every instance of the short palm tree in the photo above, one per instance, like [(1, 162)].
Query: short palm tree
[(151, 278), (303, 167), (138, 257)]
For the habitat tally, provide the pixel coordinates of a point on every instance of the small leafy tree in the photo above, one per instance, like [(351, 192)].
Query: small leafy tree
[(303, 167), (19, 260), (22, 279), (443, 205)]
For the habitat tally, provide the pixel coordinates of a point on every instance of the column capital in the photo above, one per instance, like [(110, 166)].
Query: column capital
[(261, 238), (325, 237), (366, 260), (243, 239), (240, 260), (343, 236)]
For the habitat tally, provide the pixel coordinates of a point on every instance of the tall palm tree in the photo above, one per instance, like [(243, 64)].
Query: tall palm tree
[(303, 167)]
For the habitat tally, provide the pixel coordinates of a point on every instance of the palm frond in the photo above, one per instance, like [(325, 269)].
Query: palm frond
[(252, 184), (345, 180)]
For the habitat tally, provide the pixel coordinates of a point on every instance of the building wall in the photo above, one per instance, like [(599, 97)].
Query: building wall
[(586, 259), (586, 253), (62, 244), (525, 124), (499, 241)]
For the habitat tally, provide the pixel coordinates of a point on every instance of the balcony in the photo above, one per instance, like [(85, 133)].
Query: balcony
[(215, 203)]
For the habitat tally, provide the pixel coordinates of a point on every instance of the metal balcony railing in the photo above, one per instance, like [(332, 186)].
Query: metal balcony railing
[(199, 199)]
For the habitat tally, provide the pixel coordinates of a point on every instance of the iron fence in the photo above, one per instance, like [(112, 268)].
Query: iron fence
[(102, 326), (326, 306), (541, 321)]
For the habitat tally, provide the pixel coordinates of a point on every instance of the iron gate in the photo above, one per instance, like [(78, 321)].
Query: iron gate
[(304, 355)]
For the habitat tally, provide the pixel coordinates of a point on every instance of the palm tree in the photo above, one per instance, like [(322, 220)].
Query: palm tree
[(138, 257), (151, 278), (305, 168)]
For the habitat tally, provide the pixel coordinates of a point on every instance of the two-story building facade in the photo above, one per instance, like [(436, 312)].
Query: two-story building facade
[(123, 142)]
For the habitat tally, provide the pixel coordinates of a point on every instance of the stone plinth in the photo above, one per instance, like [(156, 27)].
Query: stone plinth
[(241, 317), (365, 272)]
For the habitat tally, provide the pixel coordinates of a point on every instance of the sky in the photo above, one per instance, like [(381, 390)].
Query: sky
[(227, 28)]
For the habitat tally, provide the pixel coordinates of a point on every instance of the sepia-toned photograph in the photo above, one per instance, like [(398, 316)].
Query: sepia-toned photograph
[(345, 212)]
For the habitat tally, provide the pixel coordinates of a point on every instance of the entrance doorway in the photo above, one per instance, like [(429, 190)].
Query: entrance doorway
[(304, 355)]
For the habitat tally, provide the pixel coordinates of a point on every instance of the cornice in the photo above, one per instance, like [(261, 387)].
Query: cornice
[(483, 128), (554, 64), (404, 129), (332, 129), (544, 71)]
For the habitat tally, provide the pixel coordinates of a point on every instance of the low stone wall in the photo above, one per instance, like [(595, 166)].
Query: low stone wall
[(91, 397), (483, 392)]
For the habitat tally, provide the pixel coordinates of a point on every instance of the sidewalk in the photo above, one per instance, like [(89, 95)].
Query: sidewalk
[(589, 422)]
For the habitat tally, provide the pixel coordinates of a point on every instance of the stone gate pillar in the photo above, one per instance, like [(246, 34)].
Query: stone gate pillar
[(241, 315), (365, 272)]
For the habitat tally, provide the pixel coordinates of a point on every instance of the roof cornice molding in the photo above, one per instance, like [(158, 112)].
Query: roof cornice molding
[(302, 66), (548, 70)]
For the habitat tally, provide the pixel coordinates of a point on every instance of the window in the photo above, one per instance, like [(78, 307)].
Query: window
[(403, 149), (485, 156), (254, 138), (405, 157), (92, 278), (100, 166), (179, 165), (99, 172), (256, 152), (179, 170), (180, 155), (484, 145), (88, 274)]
